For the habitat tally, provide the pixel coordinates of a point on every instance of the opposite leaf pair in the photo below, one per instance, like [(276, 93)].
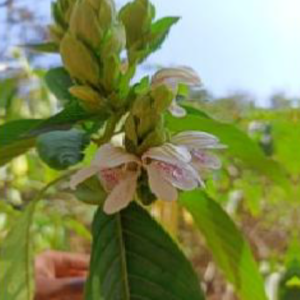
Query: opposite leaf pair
[(175, 165)]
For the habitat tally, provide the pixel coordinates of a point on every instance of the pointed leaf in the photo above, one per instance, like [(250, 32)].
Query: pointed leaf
[(59, 81), (16, 276), (227, 245), (160, 30), (47, 47), (134, 258)]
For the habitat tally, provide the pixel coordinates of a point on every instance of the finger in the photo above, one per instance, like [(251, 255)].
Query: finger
[(70, 286), (60, 288), (64, 262), (78, 273)]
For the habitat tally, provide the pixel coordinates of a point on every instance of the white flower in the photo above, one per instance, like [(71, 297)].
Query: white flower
[(118, 171), (167, 166), (172, 77), (168, 169), (199, 144)]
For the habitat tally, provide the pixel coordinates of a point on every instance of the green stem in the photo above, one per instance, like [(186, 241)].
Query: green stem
[(110, 129)]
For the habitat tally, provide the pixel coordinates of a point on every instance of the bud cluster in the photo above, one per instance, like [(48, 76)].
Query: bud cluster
[(90, 41), (144, 127)]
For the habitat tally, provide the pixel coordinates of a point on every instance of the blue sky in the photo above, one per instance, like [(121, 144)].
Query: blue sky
[(251, 45)]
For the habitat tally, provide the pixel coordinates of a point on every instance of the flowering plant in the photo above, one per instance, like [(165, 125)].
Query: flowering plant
[(165, 152)]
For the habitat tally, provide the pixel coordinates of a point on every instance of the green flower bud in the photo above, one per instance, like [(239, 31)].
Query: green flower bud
[(111, 71), (155, 138), (163, 97), (91, 99), (130, 130), (61, 12), (106, 13), (84, 24), (114, 41), (137, 17), (144, 193), (79, 60), (147, 123), (66, 9), (56, 33)]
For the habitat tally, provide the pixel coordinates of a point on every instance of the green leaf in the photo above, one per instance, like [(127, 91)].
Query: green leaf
[(239, 144), (14, 140), (59, 81), (160, 30), (289, 286), (17, 137), (8, 90), (16, 130), (134, 258), (47, 47), (16, 276), (91, 192), (227, 245), (7, 153), (71, 114), (62, 149)]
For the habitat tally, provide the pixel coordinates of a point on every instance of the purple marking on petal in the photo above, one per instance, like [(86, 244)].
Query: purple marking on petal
[(110, 177)]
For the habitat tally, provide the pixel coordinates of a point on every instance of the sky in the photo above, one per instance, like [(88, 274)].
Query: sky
[(235, 45)]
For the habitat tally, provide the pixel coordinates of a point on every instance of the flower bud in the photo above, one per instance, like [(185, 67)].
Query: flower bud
[(61, 12), (163, 97), (84, 24), (91, 99), (106, 13), (155, 138), (79, 60), (114, 41)]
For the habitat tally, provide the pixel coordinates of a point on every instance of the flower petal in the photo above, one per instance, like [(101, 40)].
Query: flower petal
[(109, 156), (82, 175), (181, 176), (204, 160), (197, 140), (174, 76), (168, 153), (176, 110), (161, 188), (122, 194), (110, 178)]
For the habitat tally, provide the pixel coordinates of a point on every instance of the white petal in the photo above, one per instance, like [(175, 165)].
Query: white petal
[(168, 153), (174, 76), (122, 194), (183, 176), (82, 175), (161, 188), (109, 156), (204, 160), (197, 140), (176, 110)]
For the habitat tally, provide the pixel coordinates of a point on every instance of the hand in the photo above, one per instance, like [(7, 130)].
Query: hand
[(60, 275)]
